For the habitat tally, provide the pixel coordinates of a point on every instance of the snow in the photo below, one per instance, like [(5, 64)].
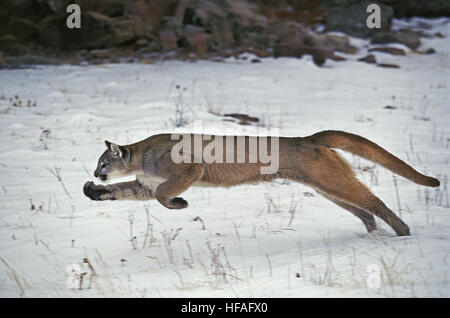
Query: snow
[(251, 245)]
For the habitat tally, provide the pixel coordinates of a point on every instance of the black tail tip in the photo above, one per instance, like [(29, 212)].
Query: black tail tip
[(433, 182)]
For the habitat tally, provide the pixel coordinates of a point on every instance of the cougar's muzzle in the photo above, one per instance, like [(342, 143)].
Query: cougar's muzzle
[(100, 175)]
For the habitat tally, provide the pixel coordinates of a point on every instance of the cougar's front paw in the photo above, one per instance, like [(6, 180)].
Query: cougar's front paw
[(177, 203), (96, 192)]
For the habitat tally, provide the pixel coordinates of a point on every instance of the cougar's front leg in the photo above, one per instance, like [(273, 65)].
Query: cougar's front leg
[(166, 192), (131, 190)]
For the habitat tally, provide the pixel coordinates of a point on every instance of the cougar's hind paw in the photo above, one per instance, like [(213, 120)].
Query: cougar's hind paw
[(178, 203), (94, 192)]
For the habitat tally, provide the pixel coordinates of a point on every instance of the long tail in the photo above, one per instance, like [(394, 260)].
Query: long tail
[(371, 151)]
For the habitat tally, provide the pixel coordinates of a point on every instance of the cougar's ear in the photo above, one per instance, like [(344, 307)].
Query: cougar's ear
[(115, 150), (120, 151), (108, 144), (125, 153)]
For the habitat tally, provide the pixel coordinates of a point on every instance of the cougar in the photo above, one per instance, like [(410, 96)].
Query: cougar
[(308, 160)]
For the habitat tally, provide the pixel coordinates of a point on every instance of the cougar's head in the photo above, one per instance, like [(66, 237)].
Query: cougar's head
[(115, 162)]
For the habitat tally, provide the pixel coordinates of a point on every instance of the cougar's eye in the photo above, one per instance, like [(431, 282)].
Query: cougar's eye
[(104, 165)]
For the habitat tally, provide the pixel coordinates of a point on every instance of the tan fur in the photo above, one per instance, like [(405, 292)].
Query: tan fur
[(308, 160)]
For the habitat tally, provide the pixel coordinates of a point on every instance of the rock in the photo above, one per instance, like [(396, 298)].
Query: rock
[(350, 17), (228, 22), (25, 61), (335, 57), (110, 8), (98, 54), (245, 16), (424, 25), (124, 31), (258, 52), (142, 42), (427, 51), (255, 61), (19, 18), (150, 13), (387, 65), (196, 39), (399, 8), (180, 9), (389, 50), (22, 28), (10, 45), (53, 6), (296, 43), (428, 8), (213, 18), (259, 40), (153, 46), (244, 119), (168, 40), (331, 42), (408, 38), (290, 45), (32, 10), (203, 26), (368, 59), (319, 58), (97, 31)]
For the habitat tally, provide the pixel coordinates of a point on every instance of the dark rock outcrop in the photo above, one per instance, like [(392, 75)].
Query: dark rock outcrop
[(370, 59), (427, 8), (406, 37), (389, 50), (201, 28), (350, 17)]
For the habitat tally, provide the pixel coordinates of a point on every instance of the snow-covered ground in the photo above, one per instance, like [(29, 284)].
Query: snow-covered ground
[(266, 240)]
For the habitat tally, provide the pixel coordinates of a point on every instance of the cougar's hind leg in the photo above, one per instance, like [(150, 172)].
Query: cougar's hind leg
[(332, 175), (365, 217), (367, 201)]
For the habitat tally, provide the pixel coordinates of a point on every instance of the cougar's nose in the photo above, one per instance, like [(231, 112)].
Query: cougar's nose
[(96, 173)]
